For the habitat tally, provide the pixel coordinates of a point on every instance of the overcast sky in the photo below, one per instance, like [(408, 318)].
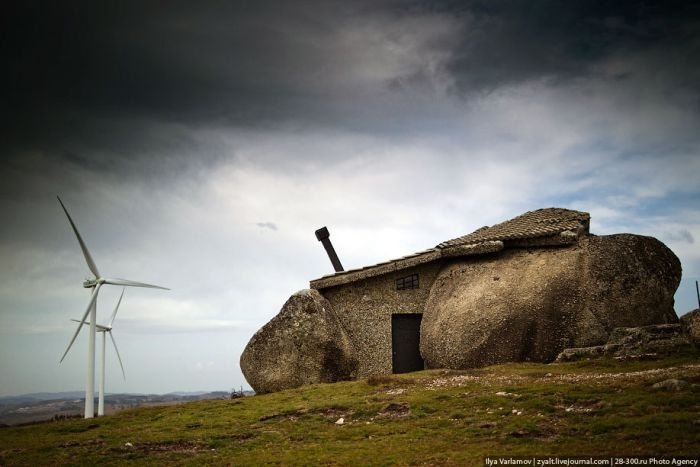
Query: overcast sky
[(198, 145)]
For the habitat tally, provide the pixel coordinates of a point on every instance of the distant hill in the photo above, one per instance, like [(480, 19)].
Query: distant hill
[(41, 396), (29, 408)]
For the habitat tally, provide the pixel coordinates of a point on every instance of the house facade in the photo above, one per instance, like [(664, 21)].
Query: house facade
[(381, 306)]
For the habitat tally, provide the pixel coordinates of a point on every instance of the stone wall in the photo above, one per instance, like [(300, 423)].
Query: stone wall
[(365, 308)]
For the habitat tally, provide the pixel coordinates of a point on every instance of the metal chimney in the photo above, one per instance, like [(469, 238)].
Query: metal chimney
[(322, 236)]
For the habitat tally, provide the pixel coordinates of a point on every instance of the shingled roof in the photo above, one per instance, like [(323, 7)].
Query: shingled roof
[(532, 224), (549, 226)]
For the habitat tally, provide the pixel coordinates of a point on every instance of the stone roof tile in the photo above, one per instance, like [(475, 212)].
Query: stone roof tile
[(532, 224)]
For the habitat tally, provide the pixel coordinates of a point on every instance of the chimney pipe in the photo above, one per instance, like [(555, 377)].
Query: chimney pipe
[(322, 236)]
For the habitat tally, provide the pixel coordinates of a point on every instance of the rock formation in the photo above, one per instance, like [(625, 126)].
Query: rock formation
[(636, 343), (690, 323), (303, 344), (530, 304)]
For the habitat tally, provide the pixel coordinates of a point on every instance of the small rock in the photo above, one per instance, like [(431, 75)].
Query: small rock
[(128, 445), (340, 421), (672, 385)]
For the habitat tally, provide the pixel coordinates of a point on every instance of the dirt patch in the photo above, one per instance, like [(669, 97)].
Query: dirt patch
[(78, 444), (293, 415), (487, 425), (542, 433), (333, 413), (395, 410), (586, 406), (380, 380), (178, 446), (237, 437), (490, 379), (654, 373)]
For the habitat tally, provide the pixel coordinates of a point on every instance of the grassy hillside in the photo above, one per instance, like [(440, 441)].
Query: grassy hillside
[(595, 408)]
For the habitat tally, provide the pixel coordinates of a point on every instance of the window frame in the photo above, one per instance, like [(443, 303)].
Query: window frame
[(409, 282)]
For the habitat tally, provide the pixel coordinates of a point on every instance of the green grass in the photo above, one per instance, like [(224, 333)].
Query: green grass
[(599, 408)]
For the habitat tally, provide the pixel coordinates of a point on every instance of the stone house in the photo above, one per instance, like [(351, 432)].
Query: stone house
[(381, 306), (521, 290)]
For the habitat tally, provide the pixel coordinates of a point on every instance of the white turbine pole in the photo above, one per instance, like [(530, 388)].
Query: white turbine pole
[(90, 384), (101, 403)]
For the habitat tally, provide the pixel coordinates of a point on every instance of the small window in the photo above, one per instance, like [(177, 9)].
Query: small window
[(408, 282)]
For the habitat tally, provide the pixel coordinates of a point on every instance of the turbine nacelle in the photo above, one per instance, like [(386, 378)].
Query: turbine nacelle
[(98, 327)]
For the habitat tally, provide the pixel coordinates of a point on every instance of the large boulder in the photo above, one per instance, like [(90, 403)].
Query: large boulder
[(630, 280), (304, 344), (530, 304)]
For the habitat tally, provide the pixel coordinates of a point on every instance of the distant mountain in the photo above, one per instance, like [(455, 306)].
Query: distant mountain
[(69, 395), (28, 408)]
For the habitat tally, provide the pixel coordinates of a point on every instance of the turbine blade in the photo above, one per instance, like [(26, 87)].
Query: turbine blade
[(93, 297), (129, 283), (116, 308), (86, 253), (117, 350)]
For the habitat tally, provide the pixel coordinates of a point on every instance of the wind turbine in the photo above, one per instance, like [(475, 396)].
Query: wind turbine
[(105, 330), (91, 309)]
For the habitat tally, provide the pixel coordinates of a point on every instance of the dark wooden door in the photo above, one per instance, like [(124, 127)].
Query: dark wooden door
[(405, 343)]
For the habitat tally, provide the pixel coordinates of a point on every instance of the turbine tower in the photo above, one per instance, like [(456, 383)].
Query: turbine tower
[(105, 330), (94, 285)]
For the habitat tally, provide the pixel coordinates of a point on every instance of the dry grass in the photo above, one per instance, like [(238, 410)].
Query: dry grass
[(433, 417)]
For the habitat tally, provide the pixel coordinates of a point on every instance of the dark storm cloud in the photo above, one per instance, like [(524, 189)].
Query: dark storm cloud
[(237, 60), (175, 61), (509, 41), (85, 76)]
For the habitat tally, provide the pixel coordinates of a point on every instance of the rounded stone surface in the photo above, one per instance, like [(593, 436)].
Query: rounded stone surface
[(304, 344), (530, 304)]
